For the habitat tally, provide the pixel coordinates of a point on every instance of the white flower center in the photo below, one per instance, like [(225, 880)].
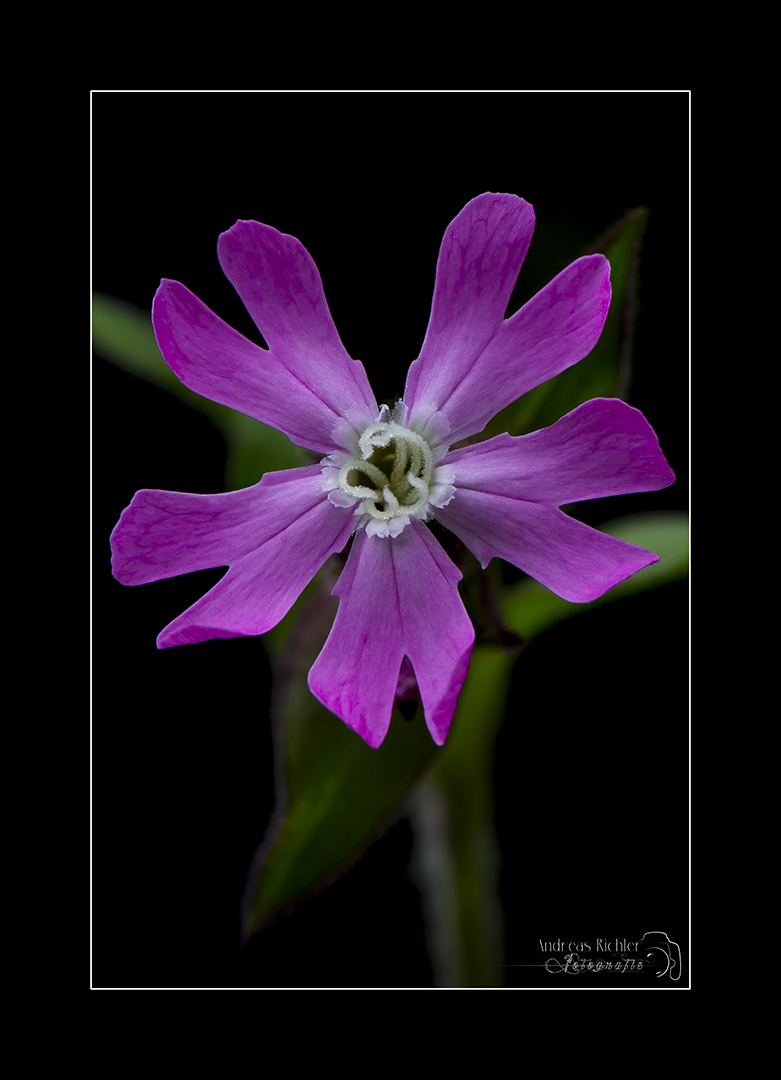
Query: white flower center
[(394, 473)]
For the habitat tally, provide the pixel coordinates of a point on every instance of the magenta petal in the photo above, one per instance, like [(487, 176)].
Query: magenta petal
[(163, 534), (569, 558), (553, 331), (166, 533), (508, 491), (479, 260), (398, 596), (603, 447), (217, 362), (280, 286)]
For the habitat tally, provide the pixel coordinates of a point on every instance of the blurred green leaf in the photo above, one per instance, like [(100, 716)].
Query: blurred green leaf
[(605, 372), (337, 792), (123, 334)]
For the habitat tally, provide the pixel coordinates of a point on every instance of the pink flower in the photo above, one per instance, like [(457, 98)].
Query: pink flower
[(387, 472)]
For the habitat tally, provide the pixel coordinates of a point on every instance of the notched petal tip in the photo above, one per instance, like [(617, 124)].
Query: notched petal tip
[(253, 531), (474, 362), (398, 597)]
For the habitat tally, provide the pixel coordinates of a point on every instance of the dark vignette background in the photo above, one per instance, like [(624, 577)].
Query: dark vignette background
[(592, 764)]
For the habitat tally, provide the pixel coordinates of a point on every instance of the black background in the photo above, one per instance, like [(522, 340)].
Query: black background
[(591, 772)]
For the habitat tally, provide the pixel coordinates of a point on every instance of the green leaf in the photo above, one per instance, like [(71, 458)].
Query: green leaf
[(123, 334), (605, 372), (337, 792)]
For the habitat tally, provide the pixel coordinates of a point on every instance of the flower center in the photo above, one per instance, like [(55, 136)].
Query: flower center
[(393, 475)]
